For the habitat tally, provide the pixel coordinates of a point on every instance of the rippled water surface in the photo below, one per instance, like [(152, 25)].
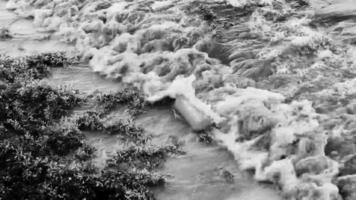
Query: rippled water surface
[(206, 171), (197, 175), (272, 80), (27, 38)]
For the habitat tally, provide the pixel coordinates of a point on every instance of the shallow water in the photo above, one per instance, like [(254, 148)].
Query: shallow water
[(26, 38), (202, 172), (276, 78), (83, 79), (199, 174)]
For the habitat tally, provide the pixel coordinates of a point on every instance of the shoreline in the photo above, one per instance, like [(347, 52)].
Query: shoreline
[(132, 47)]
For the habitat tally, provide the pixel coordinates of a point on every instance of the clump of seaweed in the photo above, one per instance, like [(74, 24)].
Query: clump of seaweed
[(43, 154), (144, 157), (90, 121), (31, 67), (130, 96), (5, 34), (51, 178), (128, 132), (62, 142), (125, 130), (57, 59), (205, 138), (30, 108)]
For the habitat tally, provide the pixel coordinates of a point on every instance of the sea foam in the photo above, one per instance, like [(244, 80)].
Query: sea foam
[(166, 49)]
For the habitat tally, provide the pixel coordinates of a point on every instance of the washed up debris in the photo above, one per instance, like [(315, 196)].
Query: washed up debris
[(5, 34)]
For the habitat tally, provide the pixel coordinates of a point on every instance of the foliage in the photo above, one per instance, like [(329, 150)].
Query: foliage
[(130, 96), (62, 142), (28, 109), (147, 157), (43, 155), (85, 153), (58, 59), (25, 176), (31, 67), (127, 131), (90, 121), (39, 168)]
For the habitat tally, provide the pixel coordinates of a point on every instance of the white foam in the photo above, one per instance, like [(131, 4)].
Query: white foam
[(158, 51)]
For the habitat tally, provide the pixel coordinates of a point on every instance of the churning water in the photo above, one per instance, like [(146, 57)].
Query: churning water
[(272, 79)]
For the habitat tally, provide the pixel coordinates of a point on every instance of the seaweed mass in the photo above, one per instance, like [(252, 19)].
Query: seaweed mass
[(271, 80)]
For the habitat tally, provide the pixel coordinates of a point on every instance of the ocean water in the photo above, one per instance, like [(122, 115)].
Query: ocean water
[(272, 80)]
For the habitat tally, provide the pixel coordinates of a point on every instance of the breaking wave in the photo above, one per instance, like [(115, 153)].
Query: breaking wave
[(273, 87)]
